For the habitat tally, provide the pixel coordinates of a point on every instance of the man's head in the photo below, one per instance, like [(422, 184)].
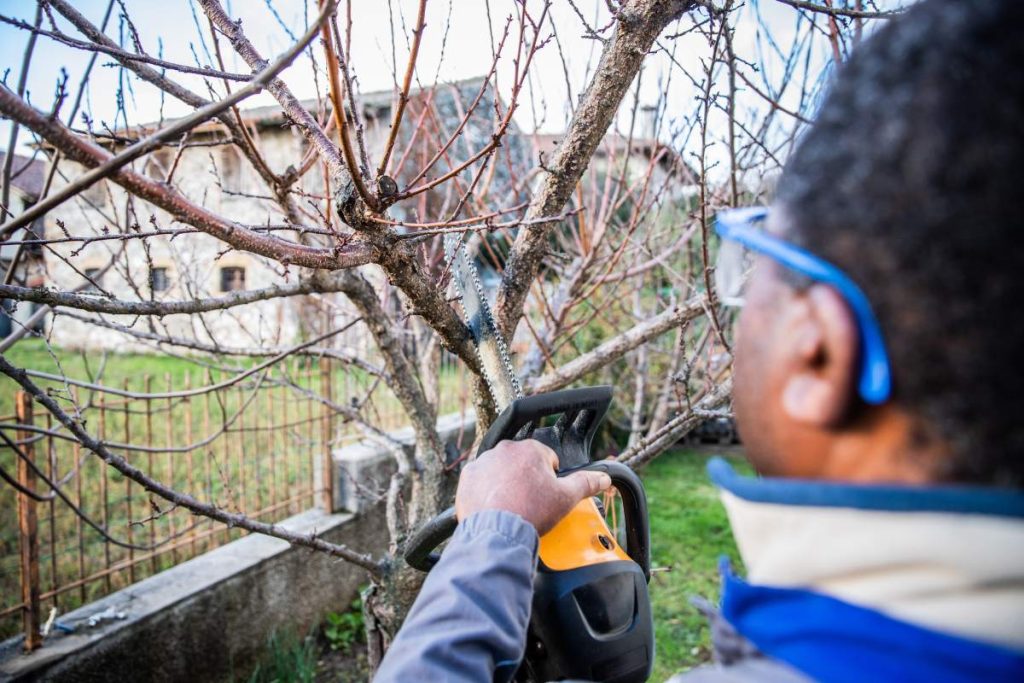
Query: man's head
[(908, 182)]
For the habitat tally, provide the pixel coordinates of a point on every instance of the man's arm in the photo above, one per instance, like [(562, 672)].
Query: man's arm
[(469, 621)]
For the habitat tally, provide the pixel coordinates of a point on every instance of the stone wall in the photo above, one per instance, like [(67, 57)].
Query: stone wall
[(207, 619)]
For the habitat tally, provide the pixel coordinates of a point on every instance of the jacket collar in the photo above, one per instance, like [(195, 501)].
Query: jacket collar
[(949, 559)]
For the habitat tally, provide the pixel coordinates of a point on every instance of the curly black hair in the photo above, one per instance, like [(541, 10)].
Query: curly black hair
[(909, 181)]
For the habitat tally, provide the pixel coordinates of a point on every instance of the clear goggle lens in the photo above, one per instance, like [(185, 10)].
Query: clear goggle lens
[(733, 267)]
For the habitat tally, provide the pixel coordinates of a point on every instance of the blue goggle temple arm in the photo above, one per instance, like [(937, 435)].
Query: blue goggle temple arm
[(875, 382)]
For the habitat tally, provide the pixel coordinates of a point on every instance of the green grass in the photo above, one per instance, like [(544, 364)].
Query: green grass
[(688, 524), (288, 659), (118, 368), (689, 532)]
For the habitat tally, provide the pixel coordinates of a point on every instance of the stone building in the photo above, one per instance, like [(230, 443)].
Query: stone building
[(194, 265), (27, 179), (177, 265)]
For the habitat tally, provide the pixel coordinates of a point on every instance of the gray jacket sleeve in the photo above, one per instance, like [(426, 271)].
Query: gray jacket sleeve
[(469, 621)]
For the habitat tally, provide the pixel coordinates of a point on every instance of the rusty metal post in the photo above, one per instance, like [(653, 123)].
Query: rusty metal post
[(28, 526), (326, 464)]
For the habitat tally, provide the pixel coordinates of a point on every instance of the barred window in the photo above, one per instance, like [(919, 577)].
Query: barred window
[(93, 281), (232, 279), (159, 280)]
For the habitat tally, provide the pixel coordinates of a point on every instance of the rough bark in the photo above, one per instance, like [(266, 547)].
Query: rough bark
[(398, 258), (428, 480)]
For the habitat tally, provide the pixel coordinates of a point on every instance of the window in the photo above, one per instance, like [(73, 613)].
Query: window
[(158, 280), (232, 279), (96, 194), (230, 170), (158, 164), (93, 281)]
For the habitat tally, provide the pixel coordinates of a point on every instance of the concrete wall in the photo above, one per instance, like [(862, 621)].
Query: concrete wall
[(363, 471), (207, 619)]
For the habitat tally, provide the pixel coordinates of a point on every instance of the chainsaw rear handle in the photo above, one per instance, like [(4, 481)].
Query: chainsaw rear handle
[(420, 550)]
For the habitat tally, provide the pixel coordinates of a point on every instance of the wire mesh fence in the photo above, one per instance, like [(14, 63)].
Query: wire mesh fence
[(73, 529)]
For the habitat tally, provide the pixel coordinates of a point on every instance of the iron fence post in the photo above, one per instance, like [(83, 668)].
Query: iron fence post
[(28, 527), (326, 464)]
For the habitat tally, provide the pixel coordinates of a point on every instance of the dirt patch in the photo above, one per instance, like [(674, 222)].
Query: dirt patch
[(338, 666)]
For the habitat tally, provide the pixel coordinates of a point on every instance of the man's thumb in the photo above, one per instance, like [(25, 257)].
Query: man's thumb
[(580, 485)]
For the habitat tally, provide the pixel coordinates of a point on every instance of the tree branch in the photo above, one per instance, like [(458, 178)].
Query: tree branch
[(615, 347), (403, 96), (338, 109), (150, 143), (647, 448), (99, 304), (839, 11), (178, 91), (310, 129), (638, 27), (124, 54), (74, 147)]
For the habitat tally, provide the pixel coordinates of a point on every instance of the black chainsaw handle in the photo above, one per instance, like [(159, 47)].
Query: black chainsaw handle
[(580, 412), (420, 553), (419, 550)]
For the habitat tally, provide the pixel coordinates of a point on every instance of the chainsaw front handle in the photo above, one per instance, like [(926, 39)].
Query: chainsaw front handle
[(579, 412), (419, 550), (634, 508)]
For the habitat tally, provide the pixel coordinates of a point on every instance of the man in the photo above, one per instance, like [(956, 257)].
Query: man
[(877, 369)]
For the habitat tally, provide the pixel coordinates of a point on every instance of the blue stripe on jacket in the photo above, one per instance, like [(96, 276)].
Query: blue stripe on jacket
[(831, 640)]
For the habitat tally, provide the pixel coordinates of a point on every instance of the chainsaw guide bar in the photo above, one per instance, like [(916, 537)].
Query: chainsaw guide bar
[(491, 348)]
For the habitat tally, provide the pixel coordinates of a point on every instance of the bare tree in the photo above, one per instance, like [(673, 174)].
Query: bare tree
[(601, 235)]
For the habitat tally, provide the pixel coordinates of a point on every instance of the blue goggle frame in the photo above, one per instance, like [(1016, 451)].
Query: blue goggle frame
[(875, 382)]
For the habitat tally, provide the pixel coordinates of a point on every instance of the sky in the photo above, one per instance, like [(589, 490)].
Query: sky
[(456, 45)]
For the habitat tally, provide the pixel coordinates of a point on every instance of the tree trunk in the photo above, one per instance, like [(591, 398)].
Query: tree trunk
[(386, 602)]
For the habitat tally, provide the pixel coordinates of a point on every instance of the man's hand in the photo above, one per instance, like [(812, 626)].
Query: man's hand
[(519, 477)]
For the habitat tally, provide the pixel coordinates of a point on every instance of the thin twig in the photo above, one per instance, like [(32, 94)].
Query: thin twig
[(198, 507), (403, 95)]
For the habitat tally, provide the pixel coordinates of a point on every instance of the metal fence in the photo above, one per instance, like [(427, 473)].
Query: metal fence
[(251, 447)]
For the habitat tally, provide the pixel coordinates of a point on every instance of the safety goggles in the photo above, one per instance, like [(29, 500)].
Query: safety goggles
[(743, 237)]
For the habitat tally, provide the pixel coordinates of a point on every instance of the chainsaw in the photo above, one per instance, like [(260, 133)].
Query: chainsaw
[(591, 613)]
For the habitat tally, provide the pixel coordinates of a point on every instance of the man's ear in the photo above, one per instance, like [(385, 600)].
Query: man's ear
[(819, 386)]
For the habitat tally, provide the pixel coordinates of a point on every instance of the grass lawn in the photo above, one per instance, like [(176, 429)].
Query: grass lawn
[(689, 532), (689, 529)]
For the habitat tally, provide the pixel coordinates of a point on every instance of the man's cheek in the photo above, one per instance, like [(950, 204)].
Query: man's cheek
[(749, 366)]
